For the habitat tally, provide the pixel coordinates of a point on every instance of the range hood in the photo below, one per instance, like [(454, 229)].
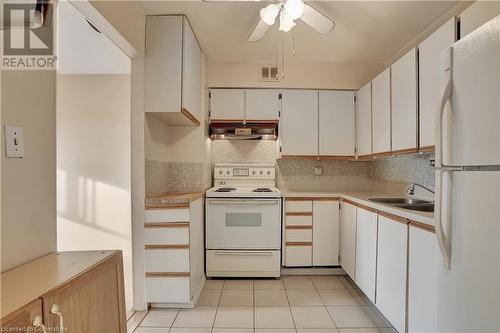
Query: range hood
[(261, 130)]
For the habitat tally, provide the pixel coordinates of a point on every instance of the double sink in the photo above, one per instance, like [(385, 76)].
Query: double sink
[(407, 203)]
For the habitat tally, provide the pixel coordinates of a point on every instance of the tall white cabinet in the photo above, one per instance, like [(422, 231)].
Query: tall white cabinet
[(325, 233), (348, 238), (381, 112), (366, 251), (364, 120)]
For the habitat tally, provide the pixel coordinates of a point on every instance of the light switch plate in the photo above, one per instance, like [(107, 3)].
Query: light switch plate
[(14, 142), (318, 171)]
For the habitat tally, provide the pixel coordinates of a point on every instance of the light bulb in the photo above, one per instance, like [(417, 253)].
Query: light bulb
[(286, 23), (294, 8), (268, 14)]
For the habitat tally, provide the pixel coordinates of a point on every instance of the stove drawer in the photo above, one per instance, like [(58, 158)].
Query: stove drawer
[(243, 263)]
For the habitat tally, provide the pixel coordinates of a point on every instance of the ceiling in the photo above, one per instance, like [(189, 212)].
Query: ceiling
[(366, 31)]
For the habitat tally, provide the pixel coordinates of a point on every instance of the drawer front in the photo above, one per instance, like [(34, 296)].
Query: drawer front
[(298, 256), (298, 220), (167, 215), (166, 236), (167, 289), (298, 206), (298, 235), (243, 263), (167, 260)]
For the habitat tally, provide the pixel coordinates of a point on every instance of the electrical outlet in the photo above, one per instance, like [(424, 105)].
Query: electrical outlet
[(14, 142), (318, 171)]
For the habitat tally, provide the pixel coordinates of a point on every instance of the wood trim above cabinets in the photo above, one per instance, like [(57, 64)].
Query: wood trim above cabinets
[(298, 243), (166, 246), (394, 218), (423, 226), (427, 149), (383, 154), (166, 274), (299, 213), (190, 116), (298, 227), (405, 151), (167, 225)]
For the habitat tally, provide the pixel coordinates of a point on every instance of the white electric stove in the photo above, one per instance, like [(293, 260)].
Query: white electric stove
[(243, 221)]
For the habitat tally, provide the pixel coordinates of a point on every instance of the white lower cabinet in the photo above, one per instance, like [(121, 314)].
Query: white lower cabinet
[(348, 238), (391, 270), (366, 252), (325, 233)]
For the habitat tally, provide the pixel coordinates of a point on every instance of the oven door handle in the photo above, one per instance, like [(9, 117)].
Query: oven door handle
[(243, 202), (245, 253)]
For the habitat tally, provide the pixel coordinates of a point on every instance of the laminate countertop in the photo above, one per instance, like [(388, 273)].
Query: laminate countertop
[(172, 199)]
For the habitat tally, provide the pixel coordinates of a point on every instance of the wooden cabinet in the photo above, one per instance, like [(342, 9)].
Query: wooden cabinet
[(381, 112), (404, 103), (430, 82), (325, 233), (364, 120), (348, 238), (227, 105), (391, 269), (423, 265), (366, 251), (262, 104), (172, 70), (299, 123), (22, 320), (336, 123)]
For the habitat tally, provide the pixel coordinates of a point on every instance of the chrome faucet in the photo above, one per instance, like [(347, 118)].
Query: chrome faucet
[(411, 188)]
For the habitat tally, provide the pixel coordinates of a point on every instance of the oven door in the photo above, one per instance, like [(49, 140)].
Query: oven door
[(248, 223)]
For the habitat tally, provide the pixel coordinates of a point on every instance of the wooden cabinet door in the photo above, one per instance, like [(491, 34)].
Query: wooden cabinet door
[(22, 319), (191, 73), (423, 265), (336, 123), (381, 111), (227, 104), (364, 120), (404, 102), (299, 123), (348, 239), (92, 302), (391, 270), (430, 85), (325, 233), (262, 104), (366, 252)]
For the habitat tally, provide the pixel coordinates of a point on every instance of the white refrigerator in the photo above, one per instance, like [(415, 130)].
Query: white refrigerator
[(467, 215)]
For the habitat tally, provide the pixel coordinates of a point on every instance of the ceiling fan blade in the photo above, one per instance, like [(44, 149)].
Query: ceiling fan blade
[(258, 31), (317, 20)]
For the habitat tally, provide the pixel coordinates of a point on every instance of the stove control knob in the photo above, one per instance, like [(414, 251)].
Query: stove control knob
[(268, 173), (227, 172), (220, 172), (261, 172), (253, 172)]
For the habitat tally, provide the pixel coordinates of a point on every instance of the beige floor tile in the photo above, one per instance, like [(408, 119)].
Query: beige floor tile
[(304, 298), (234, 317), (359, 330), (238, 284), (348, 282), (317, 330), (160, 318), (328, 282), (297, 282), (337, 297), (275, 330), (236, 298), (151, 330), (350, 316), (270, 298), (209, 297), (190, 330), (232, 330), (387, 330), (268, 284), (200, 316), (214, 284), (311, 317), (273, 317), (360, 297), (375, 315)]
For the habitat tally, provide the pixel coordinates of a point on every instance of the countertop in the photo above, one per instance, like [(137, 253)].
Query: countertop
[(361, 197), (170, 199)]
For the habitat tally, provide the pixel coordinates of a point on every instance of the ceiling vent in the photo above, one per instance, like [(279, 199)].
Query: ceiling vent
[(268, 73)]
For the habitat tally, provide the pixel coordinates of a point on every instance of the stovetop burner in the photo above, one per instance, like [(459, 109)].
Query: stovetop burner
[(225, 189), (262, 189)]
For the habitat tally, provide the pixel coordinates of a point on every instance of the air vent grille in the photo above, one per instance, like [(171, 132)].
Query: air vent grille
[(268, 73)]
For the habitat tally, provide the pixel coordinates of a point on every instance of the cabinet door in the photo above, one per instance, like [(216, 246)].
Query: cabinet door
[(423, 264), (262, 104), (404, 102), (430, 85), (381, 110), (22, 319), (391, 270), (366, 252), (364, 120), (348, 239), (299, 122), (191, 71), (325, 233), (227, 104), (336, 123)]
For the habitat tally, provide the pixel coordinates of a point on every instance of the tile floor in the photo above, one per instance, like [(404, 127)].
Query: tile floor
[(292, 304)]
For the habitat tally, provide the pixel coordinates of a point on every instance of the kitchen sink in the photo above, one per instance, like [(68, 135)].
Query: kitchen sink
[(407, 203)]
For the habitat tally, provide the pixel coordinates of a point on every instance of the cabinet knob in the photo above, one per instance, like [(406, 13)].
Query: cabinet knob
[(54, 309), (37, 322)]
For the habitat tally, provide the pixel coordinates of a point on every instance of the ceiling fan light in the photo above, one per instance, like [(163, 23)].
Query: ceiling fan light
[(294, 8), (268, 14), (286, 23)]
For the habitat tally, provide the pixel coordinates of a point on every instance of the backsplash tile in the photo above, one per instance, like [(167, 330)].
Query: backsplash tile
[(234, 151), (405, 169)]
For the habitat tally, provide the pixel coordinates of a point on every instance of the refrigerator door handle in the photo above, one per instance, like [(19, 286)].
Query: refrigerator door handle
[(444, 241), (447, 64)]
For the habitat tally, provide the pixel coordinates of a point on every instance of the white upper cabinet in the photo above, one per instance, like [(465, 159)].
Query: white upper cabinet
[(381, 112), (299, 123), (476, 15), (227, 104), (336, 123), (348, 238), (325, 233), (430, 85), (172, 70), (366, 252), (262, 104), (364, 120), (404, 102)]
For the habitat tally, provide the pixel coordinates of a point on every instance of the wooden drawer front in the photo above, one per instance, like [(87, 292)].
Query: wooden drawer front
[(298, 255), (167, 215), (166, 235), (219, 263), (298, 220), (298, 235), (167, 260), (167, 289), (298, 206)]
